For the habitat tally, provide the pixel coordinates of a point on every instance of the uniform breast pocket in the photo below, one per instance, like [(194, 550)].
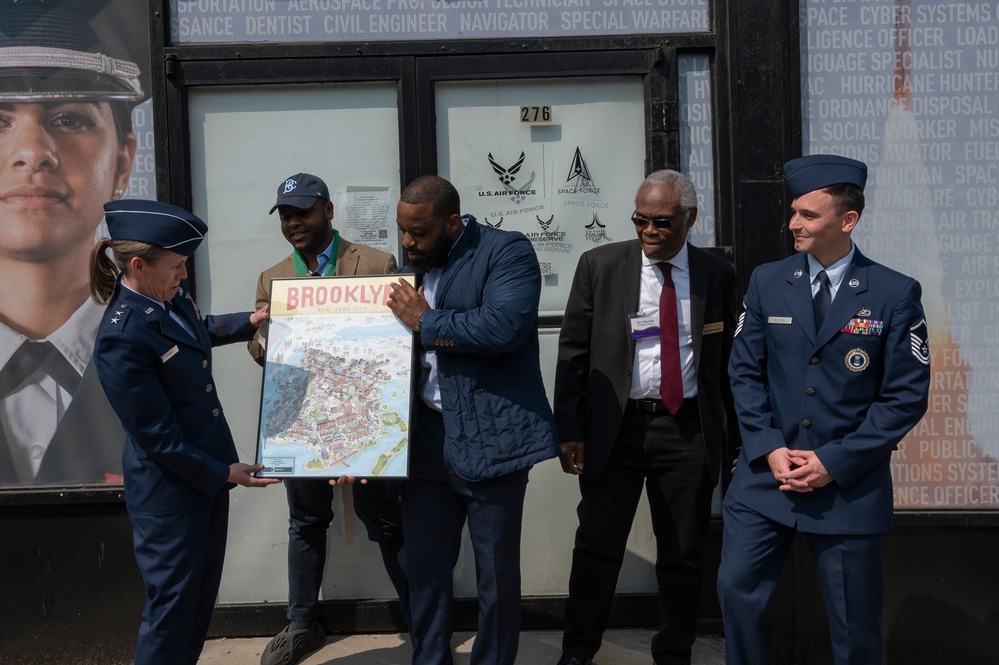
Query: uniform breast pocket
[(179, 379)]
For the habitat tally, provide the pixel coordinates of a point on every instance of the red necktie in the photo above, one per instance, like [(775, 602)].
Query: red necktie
[(671, 387)]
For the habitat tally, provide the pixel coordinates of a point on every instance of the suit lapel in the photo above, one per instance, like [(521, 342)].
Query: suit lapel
[(698, 298), (630, 279), (7, 474), (156, 316), (347, 258), (87, 442), (799, 297)]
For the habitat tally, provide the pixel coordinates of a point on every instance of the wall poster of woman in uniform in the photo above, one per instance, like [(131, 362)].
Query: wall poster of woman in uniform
[(69, 87)]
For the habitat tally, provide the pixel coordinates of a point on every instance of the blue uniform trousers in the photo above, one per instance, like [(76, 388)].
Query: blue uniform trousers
[(436, 504), (180, 556), (850, 571)]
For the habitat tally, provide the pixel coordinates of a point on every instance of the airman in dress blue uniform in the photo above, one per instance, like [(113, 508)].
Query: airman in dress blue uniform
[(153, 356), (830, 368)]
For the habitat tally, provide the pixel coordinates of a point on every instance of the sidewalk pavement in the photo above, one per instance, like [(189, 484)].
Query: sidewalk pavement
[(537, 647)]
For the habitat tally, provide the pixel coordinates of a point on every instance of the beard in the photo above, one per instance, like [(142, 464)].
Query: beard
[(433, 258)]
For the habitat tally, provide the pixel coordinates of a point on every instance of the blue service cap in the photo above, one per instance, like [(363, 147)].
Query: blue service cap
[(159, 224), (301, 190), (53, 53), (806, 174)]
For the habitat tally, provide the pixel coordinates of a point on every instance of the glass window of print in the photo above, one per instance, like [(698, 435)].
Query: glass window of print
[(909, 87), (397, 20), (696, 147), (568, 183), (94, 145)]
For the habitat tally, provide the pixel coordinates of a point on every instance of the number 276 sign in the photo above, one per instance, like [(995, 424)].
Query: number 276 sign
[(536, 115)]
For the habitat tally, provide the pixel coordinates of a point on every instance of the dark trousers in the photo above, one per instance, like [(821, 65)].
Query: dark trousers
[(665, 455), (436, 504), (310, 508), (850, 571), (180, 557)]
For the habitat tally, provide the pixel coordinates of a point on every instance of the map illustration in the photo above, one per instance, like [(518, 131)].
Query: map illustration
[(336, 387)]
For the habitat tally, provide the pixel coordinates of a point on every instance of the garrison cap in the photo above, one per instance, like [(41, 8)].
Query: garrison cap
[(159, 224), (807, 174), (301, 190), (53, 53)]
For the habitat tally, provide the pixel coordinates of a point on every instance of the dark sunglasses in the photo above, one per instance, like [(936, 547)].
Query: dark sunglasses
[(659, 222)]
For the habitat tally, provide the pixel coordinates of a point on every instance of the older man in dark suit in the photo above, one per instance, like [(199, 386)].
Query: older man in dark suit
[(642, 399)]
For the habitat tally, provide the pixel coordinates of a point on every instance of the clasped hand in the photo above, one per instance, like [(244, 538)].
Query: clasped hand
[(798, 470)]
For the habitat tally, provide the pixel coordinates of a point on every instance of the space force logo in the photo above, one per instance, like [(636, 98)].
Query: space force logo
[(579, 190), (579, 180)]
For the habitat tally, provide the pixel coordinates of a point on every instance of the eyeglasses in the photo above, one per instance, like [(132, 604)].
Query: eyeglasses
[(640, 221)]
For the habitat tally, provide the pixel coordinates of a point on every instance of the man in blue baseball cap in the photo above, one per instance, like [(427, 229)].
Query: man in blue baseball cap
[(830, 368), (318, 250)]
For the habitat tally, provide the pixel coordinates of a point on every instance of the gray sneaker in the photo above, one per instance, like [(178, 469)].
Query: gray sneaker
[(295, 642)]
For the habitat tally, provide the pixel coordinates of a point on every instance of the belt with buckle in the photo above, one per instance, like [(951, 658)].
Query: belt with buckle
[(648, 405), (656, 406)]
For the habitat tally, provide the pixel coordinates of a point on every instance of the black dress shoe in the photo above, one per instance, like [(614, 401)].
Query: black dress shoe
[(569, 659)]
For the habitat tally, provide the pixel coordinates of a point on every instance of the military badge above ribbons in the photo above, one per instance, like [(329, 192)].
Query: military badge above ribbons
[(337, 382)]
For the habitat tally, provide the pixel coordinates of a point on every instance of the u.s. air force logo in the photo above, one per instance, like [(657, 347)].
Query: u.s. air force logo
[(920, 339), (506, 175)]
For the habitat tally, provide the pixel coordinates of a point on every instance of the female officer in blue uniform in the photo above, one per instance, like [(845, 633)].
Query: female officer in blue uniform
[(153, 356)]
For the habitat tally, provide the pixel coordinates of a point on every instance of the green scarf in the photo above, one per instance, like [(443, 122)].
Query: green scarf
[(301, 269)]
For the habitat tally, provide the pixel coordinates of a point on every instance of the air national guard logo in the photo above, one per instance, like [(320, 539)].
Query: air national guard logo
[(919, 337)]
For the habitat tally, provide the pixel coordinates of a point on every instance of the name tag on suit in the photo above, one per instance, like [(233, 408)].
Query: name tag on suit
[(779, 320), (170, 354), (712, 328)]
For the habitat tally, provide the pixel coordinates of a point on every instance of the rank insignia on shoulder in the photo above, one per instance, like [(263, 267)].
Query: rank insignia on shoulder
[(857, 360), (920, 340), (864, 327)]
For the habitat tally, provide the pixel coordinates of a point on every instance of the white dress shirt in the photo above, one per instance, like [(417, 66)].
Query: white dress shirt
[(646, 375)]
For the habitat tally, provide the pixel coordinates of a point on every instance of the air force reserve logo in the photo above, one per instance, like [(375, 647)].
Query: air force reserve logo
[(920, 339)]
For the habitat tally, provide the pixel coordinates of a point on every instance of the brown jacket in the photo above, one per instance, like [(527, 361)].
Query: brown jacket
[(351, 259)]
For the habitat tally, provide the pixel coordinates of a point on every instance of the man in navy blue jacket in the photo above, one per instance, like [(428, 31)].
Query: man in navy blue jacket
[(830, 368), (482, 419)]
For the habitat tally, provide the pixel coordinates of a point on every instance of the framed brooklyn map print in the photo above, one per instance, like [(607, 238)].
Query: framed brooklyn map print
[(337, 381)]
